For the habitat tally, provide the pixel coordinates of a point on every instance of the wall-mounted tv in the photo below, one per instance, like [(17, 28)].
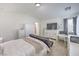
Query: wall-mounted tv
[(51, 26)]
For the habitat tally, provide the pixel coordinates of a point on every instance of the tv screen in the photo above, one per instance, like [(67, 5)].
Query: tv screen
[(51, 26)]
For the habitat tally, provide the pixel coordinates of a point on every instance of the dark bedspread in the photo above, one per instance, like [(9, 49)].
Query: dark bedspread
[(44, 39)]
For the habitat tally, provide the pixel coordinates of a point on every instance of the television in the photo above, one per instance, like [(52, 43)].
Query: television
[(51, 26)]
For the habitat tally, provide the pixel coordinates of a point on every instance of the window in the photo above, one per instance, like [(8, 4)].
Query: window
[(70, 26)]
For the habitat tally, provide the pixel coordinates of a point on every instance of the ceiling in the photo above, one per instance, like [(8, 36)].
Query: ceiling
[(45, 11)]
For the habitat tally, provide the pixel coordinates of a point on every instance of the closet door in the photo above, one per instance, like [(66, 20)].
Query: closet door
[(29, 29), (37, 28)]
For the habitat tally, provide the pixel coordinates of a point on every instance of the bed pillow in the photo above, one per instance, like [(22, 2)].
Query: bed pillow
[(44, 39)]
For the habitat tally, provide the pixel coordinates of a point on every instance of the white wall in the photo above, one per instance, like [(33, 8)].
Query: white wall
[(10, 22), (59, 21), (60, 24)]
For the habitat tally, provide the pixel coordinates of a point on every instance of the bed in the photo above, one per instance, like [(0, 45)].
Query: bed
[(24, 47), (74, 49)]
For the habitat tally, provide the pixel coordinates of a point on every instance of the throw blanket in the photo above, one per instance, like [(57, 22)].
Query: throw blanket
[(43, 39)]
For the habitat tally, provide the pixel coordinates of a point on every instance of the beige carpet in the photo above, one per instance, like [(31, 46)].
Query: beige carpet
[(59, 49)]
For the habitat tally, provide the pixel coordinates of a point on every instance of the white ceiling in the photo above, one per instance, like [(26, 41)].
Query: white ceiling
[(45, 11)]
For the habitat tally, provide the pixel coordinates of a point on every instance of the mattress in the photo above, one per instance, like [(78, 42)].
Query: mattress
[(74, 39), (74, 49), (24, 47), (40, 47), (17, 48)]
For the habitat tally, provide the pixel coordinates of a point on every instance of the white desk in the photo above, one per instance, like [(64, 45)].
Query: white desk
[(62, 37)]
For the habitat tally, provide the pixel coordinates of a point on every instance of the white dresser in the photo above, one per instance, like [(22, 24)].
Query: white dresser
[(51, 34)]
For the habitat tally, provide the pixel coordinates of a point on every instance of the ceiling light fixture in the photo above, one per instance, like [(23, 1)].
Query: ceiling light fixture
[(37, 4)]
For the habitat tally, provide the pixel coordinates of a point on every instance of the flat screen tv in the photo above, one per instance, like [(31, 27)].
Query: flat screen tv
[(51, 26)]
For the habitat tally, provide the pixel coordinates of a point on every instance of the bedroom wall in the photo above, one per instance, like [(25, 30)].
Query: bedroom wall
[(52, 33), (60, 23), (10, 22)]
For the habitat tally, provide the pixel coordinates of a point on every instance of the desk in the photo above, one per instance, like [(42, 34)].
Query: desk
[(64, 38)]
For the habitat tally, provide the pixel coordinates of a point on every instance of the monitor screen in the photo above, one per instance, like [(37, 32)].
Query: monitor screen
[(51, 26)]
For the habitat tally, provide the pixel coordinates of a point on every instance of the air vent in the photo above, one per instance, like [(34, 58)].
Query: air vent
[(68, 8)]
